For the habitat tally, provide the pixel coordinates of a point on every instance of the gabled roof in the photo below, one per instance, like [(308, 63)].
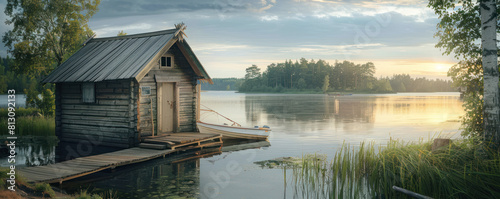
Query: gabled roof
[(122, 57)]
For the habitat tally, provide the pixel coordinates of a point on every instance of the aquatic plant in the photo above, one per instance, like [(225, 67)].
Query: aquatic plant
[(85, 194), (463, 169), (45, 189)]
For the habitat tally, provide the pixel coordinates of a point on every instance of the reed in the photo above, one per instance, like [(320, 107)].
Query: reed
[(463, 169), (31, 125)]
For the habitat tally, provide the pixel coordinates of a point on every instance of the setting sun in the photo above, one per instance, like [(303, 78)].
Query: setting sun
[(439, 67)]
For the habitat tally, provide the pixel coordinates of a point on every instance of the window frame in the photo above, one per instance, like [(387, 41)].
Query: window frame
[(144, 88), (166, 57), (88, 88)]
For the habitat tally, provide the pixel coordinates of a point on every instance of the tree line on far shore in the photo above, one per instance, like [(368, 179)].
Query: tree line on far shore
[(320, 76), (11, 80)]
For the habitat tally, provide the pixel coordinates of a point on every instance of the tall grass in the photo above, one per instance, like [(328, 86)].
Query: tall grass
[(464, 169), (29, 125), (20, 112)]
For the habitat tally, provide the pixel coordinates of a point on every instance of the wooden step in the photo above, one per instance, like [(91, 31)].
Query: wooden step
[(161, 142), (152, 146)]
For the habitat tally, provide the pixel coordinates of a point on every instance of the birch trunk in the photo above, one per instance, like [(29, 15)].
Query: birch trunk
[(491, 115)]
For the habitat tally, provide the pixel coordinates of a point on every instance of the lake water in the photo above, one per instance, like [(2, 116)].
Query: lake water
[(20, 100), (300, 124)]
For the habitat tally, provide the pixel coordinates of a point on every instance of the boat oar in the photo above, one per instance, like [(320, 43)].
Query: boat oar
[(210, 110), (410, 193)]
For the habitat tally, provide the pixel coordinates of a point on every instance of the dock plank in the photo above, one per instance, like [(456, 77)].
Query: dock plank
[(83, 166)]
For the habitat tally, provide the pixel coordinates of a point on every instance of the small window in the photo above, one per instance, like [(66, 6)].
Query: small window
[(166, 61), (146, 90), (88, 92)]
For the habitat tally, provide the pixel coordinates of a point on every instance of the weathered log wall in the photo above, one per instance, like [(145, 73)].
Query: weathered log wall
[(110, 121)]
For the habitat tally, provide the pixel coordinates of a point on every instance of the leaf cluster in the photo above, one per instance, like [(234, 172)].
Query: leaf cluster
[(46, 32), (459, 34)]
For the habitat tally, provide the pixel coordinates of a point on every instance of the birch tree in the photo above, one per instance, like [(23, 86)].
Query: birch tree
[(467, 30), (491, 105)]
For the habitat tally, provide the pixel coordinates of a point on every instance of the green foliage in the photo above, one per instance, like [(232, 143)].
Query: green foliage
[(46, 32), (20, 112), (472, 121), (459, 35), (301, 84), (46, 189), (45, 103), (383, 85), (4, 176), (11, 80), (223, 84), (3, 84), (456, 171), (326, 83), (252, 72), (121, 33), (31, 125), (84, 194), (400, 87), (342, 76)]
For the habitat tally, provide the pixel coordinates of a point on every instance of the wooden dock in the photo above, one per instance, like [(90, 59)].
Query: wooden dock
[(181, 140), (71, 169)]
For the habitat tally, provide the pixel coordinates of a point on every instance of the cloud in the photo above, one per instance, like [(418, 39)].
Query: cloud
[(120, 8), (269, 18), (335, 49), (110, 30), (428, 72), (216, 47), (236, 33)]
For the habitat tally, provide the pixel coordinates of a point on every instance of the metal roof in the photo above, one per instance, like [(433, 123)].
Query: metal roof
[(121, 57)]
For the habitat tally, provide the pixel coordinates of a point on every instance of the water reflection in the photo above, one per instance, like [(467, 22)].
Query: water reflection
[(242, 144), (31, 151), (175, 176), (358, 114), (153, 179)]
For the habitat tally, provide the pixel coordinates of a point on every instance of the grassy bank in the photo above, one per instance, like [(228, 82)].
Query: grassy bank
[(460, 170), (28, 122), (31, 125)]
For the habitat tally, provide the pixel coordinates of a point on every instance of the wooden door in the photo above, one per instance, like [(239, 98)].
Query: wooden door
[(167, 106)]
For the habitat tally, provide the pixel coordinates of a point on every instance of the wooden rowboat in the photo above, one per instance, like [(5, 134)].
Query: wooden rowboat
[(233, 132)]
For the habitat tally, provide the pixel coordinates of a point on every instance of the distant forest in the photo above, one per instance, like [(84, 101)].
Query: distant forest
[(11, 80), (223, 84), (319, 76)]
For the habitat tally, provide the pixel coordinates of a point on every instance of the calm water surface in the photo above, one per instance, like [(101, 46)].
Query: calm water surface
[(300, 124), (317, 124)]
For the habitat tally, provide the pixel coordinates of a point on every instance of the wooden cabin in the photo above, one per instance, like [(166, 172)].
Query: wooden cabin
[(116, 89)]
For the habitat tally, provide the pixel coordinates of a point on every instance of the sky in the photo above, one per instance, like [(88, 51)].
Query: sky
[(230, 35)]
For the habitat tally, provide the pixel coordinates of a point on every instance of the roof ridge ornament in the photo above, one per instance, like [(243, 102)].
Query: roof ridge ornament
[(180, 31), (90, 38)]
